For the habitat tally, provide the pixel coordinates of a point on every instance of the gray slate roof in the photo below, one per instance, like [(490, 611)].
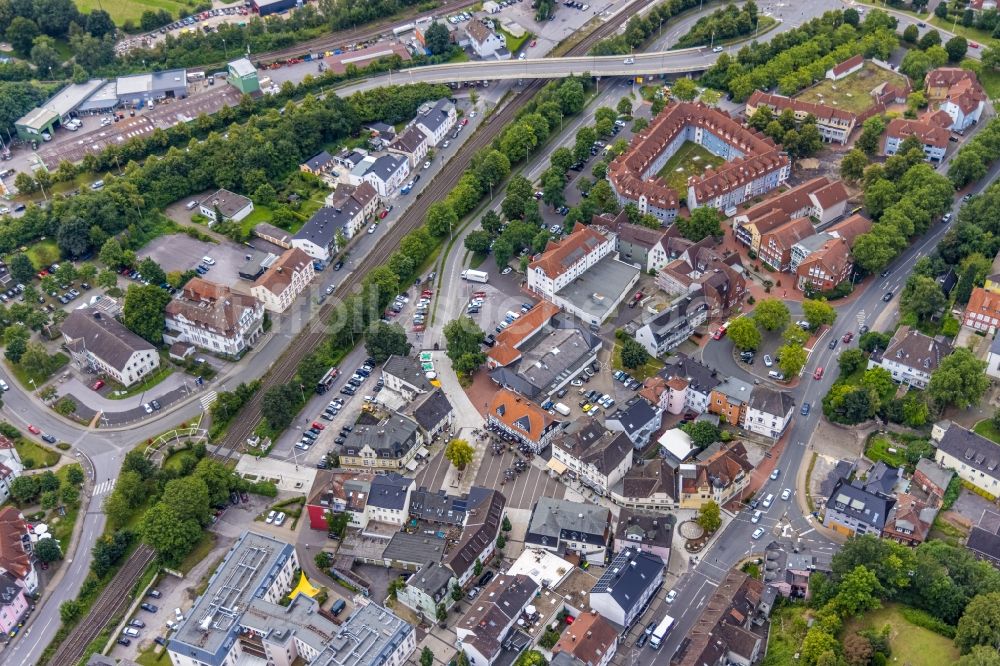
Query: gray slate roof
[(319, 161), (409, 370), (432, 580), (433, 410), (388, 491), (770, 401), (437, 116), (591, 443), (645, 529), (322, 227), (391, 438), (385, 166), (867, 507), (634, 416), (554, 519), (103, 337), (974, 450), (700, 377), (629, 575)]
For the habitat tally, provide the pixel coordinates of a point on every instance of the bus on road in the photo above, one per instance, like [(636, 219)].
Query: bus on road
[(326, 383)]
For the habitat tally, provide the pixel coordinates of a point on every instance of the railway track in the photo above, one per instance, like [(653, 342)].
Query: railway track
[(284, 369), (113, 600)]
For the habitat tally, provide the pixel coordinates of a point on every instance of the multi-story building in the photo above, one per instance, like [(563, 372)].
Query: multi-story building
[(824, 260), (286, 278), (590, 640), (339, 491), (598, 457), (100, 344), (13, 604), (776, 245), (484, 629), (637, 244), (854, 509), (16, 553), (213, 317), (231, 206), (982, 313), (427, 588), (933, 137), (768, 411), (318, 164), (974, 458), (405, 376), (821, 198), (700, 271), (958, 93), (347, 211), (389, 498), (390, 444), (665, 331), (984, 545), (570, 527), (690, 383), (436, 121), (625, 589), (651, 534), (911, 356), (754, 164), (11, 467), (525, 421), (651, 486), (718, 474), (485, 42), (729, 400), (484, 511), (565, 260), (387, 173), (834, 125), (411, 144), (846, 230), (637, 419)]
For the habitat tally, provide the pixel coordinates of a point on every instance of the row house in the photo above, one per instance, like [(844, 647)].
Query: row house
[(700, 271), (565, 260), (522, 419), (346, 212), (974, 458), (411, 144), (651, 486), (666, 331), (647, 532), (822, 199), (690, 384), (776, 245), (932, 136), (596, 456), (627, 586), (284, 280), (562, 526), (834, 125)]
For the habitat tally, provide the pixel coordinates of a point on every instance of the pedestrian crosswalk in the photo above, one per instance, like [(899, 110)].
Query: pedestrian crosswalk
[(861, 316), (104, 487), (208, 399)]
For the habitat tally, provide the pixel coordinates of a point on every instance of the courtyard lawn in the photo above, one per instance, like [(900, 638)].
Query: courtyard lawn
[(41, 456), (176, 462), (911, 644), (987, 430), (689, 160), (122, 10), (852, 93), (514, 43), (44, 253), (652, 366)]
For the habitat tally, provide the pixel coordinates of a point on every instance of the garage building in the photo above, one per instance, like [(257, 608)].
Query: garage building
[(266, 7), (139, 89), (56, 110), (31, 125)]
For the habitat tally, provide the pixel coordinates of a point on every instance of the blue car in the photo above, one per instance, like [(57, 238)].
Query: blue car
[(805, 409)]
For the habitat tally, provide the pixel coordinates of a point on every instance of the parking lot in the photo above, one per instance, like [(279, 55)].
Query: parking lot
[(179, 252)]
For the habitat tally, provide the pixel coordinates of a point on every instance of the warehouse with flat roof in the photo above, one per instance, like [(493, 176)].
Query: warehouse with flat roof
[(137, 89), (56, 110), (268, 7)]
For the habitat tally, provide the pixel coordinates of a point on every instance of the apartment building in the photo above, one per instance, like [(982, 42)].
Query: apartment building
[(213, 317), (286, 278)]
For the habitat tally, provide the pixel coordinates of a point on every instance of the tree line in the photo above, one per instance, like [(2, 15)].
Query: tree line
[(726, 23), (640, 28)]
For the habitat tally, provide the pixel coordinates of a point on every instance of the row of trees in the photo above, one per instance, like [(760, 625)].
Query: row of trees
[(726, 23), (975, 157), (639, 28), (798, 139), (771, 314), (795, 59)]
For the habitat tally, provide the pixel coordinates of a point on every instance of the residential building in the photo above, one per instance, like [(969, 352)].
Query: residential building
[(11, 467), (909, 520), (984, 545), (591, 640), (704, 274), (545, 568), (958, 93), (627, 586), (834, 125), (214, 317), (563, 261), (541, 352), (318, 164), (282, 283), (355, 205), (931, 480), (390, 444), (732, 628), (16, 553), (846, 68), (974, 458), (768, 411), (434, 414), (639, 245), (729, 400), (525, 421), (570, 528), (718, 474), (846, 230), (637, 419), (389, 498), (411, 144), (651, 534), (598, 457), (387, 173), (426, 589), (233, 207), (776, 245), (993, 359), (789, 566), (854, 509), (339, 491), (486, 43), (822, 199), (436, 121), (13, 604), (911, 356), (405, 376), (99, 343), (676, 445), (651, 486), (484, 510), (933, 137), (982, 313), (823, 261), (754, 164), (690, 383), (484, 629), (665, 331), (992, 282)]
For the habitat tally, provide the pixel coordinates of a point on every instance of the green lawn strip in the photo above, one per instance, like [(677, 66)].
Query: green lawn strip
[(514, 43), (911, 644), (33, 378), (988, 430), (972, 34), (943, 530), (198, 553), (148, 383), (652, 366), (991, 82), (42, 456), (259, 214), (689, 160), (178, 460), (123, 10), (878, 449)]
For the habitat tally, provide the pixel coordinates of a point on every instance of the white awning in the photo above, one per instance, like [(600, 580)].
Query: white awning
[(412, 465), (556, 466), (423, 452)]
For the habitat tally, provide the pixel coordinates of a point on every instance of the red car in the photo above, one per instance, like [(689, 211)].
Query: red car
[(533, 42), (465, 121), (973, 45), (480, 294), (34, 430), (427, 293), (98, 385), (382, 215), (418, 328), (42, 274), (847, 337), (318, 426)]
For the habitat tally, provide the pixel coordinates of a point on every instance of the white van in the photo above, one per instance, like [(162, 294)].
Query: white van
[(768, 500), (756, 516)]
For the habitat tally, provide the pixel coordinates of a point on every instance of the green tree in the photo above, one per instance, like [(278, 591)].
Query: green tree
[(21, 34), (871, 135), (70, 611), (879, 381), (47, 550), (16, 340), (709, 516), (554, 188), (441, 612), (427, 655), (771, 314), (441, 218), (21, 268), (171, 537), (143, 312), (911, 34), (279, 405), (188, 497), (980, 655), (851, 360), (702, 433), (459, 453), (24, 489), (744, 333), (793, 359), (74, 474), (151, 271), (794, 335), (633, 354), (625, 106), (684, 89), (462, 336), (437, 39), (704, 222), (456, 593), (980, 624), (922, 297), (959, 380), (818, 313), (383, 340)]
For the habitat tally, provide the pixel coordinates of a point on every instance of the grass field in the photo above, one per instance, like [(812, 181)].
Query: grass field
[(43, 253), (42, 456), (788, 629), (123, 10), (987, 430), (852, 93), (911, 645), (176, 461), (653, 365), (689, 160), (991, 82)]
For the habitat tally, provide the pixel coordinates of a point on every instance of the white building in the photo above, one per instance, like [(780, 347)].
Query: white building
[(435, 121), (11, 467), (598, 457), (974, 458), (411, 144), (427, 588), (768, 411), (564, 261), (101, 344), (627, 586), (563, 526), (233, 207), (485, 42), (993, 359), (282, 283), (911, 357), (690, 384), (387, 174), (213, 317)]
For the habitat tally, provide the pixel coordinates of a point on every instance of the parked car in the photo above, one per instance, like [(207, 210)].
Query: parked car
[(149, 608)]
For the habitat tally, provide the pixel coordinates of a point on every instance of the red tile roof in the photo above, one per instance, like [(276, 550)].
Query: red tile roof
[(277, 278), (983, 302), (505, 351), (559, 256), (13, 558), (589, 638), (822, 112), (930, 135), (851, 227), (520, 415), (848, 64), (797, 199)]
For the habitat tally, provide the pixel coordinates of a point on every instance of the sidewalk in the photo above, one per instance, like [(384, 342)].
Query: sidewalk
[(467, 419)]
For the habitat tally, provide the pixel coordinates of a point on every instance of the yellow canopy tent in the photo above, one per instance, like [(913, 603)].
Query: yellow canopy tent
[(304, 587)]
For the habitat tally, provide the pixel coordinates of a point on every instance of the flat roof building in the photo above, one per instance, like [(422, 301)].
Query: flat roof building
[(594, 295), (137, 89), (243, 76)]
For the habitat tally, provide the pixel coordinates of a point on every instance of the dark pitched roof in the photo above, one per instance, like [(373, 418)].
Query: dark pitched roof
[(385, 166), (434, 409), (724, 625), (911, 348), (655, 476), (634, 416), (629, 575), (319, 161), (553, 520), (388, 491), (699, 376), (495, 609), (436, 116), (409, 141), (103, 336), (408, 369), (769, 401), (645, 529), (984, 544), (871, 508), (974, 450), (391, 438), (591, 443), (322, 227), (481, 528)]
